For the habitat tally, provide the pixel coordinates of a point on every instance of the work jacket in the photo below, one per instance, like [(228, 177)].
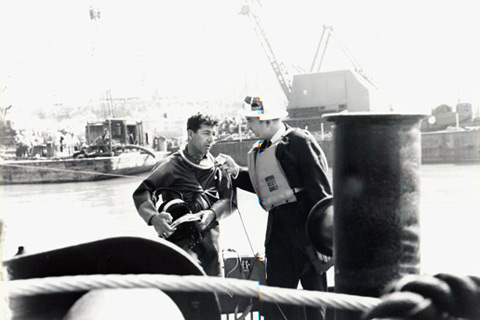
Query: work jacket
[(305, 167)]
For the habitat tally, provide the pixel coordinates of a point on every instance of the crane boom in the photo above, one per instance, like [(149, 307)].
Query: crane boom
[(279, 68), (315, 58), (331, 33)]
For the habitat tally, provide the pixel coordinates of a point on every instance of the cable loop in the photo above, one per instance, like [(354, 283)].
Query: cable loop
[(430, 298)]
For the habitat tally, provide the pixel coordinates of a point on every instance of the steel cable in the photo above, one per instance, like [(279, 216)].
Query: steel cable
[(413, 297), (245, 288), (68, 171)]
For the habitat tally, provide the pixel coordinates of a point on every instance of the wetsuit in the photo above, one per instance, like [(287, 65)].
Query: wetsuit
[(290, 256), (202, 187)]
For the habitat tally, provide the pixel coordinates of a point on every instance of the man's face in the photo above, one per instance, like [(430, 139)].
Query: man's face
[(258, 127), (202, 140)]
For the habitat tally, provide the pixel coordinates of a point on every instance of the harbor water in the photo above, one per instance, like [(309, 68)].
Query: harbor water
[(42, 217)]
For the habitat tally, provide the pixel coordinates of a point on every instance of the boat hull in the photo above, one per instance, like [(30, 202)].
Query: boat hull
[(451, 146), (76, 169), (117, 255)]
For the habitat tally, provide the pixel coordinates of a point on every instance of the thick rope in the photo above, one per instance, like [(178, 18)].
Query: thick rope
[(430, 298), (68, 171), (244, 288)]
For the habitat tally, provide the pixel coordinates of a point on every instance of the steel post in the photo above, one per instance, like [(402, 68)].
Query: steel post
[(376, 201)]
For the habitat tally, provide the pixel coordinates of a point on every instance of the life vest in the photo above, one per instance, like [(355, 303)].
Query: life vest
[(269, 179)]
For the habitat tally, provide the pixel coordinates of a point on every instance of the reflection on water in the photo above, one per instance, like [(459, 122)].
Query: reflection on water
[(43, 217)]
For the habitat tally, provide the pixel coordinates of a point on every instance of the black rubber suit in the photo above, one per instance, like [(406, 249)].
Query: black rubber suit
[(202, 188)]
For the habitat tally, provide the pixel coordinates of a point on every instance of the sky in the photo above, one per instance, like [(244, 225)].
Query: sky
[(420, 54)]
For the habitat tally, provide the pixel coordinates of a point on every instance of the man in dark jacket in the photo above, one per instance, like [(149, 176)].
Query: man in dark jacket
[(288, 172), (205, 187)]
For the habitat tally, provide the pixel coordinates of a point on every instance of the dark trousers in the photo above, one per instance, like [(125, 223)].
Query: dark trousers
[(288, 265), (207, 252)]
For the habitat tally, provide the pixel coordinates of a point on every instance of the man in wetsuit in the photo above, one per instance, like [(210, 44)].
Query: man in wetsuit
[(204, 185), (288, 172)]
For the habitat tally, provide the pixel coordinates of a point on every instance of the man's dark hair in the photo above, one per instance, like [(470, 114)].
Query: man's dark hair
[(195, 121)]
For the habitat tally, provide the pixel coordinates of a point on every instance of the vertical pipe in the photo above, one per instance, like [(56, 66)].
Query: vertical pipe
[(110, 134), (88, 135), (376, 201)]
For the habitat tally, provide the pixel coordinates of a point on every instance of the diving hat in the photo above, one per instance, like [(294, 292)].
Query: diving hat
[(264, 108)]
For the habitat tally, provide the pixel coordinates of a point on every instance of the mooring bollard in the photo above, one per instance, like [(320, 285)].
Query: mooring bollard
[(376, 201)]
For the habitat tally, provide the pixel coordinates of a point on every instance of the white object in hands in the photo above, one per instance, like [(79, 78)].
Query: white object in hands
[(189, 217), (220, 159)]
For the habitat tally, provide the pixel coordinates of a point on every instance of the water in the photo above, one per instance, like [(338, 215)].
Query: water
[(44, 217)]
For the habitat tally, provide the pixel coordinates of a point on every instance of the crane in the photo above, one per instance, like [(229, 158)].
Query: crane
[(329, 32), (279, 68)]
